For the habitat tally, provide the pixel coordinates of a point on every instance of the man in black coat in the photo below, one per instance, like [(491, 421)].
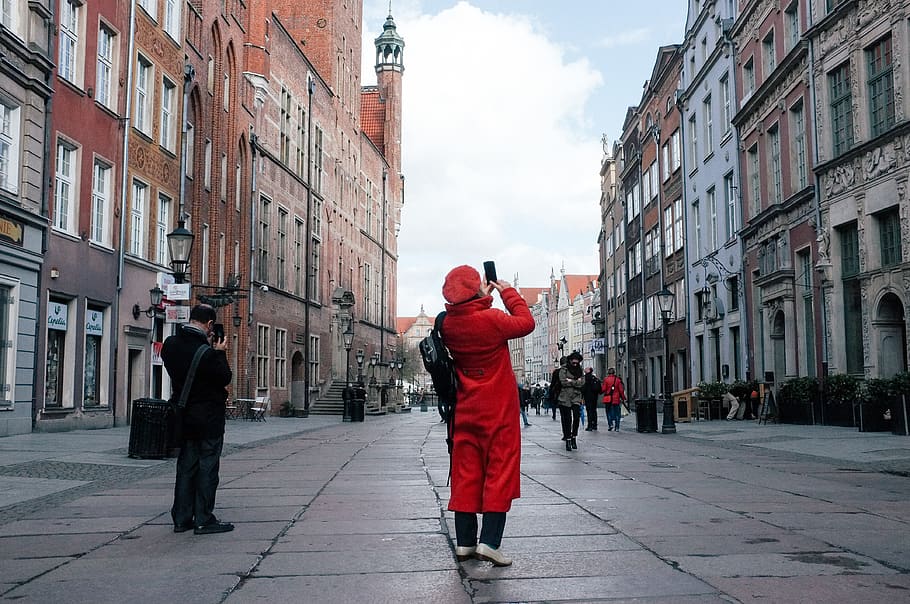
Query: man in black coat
[(201, 421), (591, 392)]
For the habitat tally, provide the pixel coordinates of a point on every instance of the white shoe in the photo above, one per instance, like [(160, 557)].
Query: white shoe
[(485, 552), (463, 552)]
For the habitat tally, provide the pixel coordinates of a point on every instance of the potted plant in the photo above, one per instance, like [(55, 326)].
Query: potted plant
[(841, 394), (795, 400), (900, 404), (711, 393), (285, 409), (875, 401)]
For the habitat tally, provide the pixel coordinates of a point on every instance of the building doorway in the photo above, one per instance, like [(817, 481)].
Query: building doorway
[(297, 383), (779, 347), (891, 330)]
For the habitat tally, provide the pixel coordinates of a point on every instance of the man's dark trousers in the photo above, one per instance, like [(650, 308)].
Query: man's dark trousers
[(197, 481), (591, 409)]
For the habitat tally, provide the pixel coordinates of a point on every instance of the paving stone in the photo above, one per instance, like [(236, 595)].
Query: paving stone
[(892, 589), (780, 565)]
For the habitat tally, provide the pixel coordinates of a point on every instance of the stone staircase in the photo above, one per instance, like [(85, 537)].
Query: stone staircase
[(331, 403)]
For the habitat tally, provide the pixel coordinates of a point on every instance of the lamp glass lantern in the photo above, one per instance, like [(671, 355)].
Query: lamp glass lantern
[(156, 294), (348, 333), (180, 244), (359, 356), (665, 301)]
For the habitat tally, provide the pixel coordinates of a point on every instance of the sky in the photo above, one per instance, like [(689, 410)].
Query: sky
[(505, 103)]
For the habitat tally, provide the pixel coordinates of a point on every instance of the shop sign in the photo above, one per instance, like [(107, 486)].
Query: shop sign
[(94, 323), (11, 231), (177, 314), (56, 316)]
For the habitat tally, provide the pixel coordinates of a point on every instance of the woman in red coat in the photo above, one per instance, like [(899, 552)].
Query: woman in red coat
[(486, 453)]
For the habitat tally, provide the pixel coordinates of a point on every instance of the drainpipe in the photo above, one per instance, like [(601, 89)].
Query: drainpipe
[(311, 89)]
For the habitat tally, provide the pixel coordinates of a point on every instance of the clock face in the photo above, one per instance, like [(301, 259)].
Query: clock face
[(320, 23)]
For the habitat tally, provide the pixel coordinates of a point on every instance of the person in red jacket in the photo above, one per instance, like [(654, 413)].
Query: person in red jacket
[(486, 452), (614, 396)]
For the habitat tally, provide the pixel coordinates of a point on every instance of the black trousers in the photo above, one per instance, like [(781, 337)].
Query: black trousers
[(571, 417), (494, 523), (197, 480), (591, 408)]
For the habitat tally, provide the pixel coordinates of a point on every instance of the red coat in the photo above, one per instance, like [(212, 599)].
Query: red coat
[(614, 393), (486, 455)]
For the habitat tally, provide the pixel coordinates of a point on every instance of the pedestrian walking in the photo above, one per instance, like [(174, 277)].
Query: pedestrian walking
[(486, 451), (193, 357), (591, 392), (572, 381), (555, 387), (614, 397), (537, 398), (524, 399)]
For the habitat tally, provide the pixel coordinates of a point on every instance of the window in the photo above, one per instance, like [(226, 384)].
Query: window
[(655, 187), (841, 108), (849, 250), (137, 219), (238, 177), (852, 301), (101, 201), (207, 168), (748, 78), (144, 80), (730, 204), (668, 231), (709, 127), (7, 16), (769, 54), (210, 76), (104, 93), (9, 148), (678, 224), (301, 142), (281, 251), (798, 127), (791, 22), (881, 85), (367, 289), (314, 359), (712, 209), (65, 188), (150, 7), (204, 244), (284, 125), (646, 185), (693, 142), (317, 161), (172, 19), (262, 357), (808, 311), (299, 228), (665, 153), (223, 173), (168, 118), (68, 39), (677, 149), (890, 234), (9, 313), (696, 218), (162, 226), (94, 369), (55, 372), (265, 207), (315, 254), (774, 167), (189, 140), (727, 117), (221, 259), (754, 180), (281, 361)]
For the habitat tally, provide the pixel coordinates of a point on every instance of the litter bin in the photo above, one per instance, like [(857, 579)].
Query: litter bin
[(347, 395), (151, 428), (357, 404), (646, 415)]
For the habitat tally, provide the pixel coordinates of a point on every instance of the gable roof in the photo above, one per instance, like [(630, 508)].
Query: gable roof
[(403, 324), (576, 284), (532, 294), (372, 116)]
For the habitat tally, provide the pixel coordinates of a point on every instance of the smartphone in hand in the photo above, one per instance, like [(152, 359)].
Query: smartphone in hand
[(489, 271), (218, 332)]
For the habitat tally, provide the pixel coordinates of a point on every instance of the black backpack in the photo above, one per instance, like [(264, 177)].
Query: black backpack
[(555, 386), (439, 364)]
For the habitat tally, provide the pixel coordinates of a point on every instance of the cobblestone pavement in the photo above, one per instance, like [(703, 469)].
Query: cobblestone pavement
[(332, 512)]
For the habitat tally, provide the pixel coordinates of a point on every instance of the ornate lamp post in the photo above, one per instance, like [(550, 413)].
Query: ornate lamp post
[(179, 244), (665, 302), (359, 357), (348, 337)]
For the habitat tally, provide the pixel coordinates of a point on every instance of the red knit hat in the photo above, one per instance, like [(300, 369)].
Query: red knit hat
[(461, 284)]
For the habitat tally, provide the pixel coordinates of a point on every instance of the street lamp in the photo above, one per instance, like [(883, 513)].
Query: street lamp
[(348, 337), (156, 294), (665, 302), (179, 244), (359, 356)]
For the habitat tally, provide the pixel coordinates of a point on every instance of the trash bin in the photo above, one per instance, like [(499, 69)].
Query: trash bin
[(646, 415), (347, 395), (357, 404), (151, 428)]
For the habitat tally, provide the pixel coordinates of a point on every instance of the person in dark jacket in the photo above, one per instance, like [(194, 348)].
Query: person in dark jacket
[(591, 392), (201, 421), (570, 399)]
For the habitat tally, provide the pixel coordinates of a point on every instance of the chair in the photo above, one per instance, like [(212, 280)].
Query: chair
[(231, 411), (259, 408)]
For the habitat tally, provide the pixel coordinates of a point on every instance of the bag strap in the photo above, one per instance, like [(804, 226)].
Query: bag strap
[(450, 409), (191, 375)]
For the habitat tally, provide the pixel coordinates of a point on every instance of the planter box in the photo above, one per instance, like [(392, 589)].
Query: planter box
[(840, 414), (796, 413), (871, 418)]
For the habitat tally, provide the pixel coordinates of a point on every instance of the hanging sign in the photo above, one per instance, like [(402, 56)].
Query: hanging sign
[(177, 314), (56, 316), (94, 323), (177, 291)]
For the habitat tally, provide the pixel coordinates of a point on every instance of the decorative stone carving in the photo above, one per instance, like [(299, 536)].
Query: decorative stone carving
[(839, 179), (867, 337), (878, 161), (870, 10), (823, 241)]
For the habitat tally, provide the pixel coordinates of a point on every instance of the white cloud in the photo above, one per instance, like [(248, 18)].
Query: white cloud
[(627, 38), (496, 157)]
